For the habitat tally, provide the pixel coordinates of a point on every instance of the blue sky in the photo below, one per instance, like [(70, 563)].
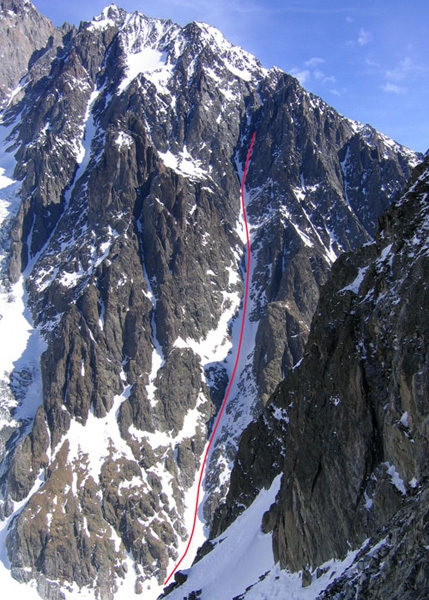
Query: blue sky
[(369, 59)]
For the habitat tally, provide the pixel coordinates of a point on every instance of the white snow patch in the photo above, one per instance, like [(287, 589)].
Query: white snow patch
[(9, 189), (165, 439), (20, 352), (242, 558), (217, 343), (393, 148), (67, 279), (124, 140), (298, 364), (157, 363), (102, 310), (354, 286), (105, 19), (88, 131), (368, 502), (97, 438), (395, 478), (273, 586), (240, 63), (184, 164), (241, 554), (148, 61), (280, 414), (301, 194), (15, 326), (242, 73), (157, 353), (405, 420), (303, 236), (5, 181), (384, 254), (286, 215), (135, 482)]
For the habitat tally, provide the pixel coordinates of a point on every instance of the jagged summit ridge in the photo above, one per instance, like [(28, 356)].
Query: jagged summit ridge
[(126, 144), (152, 46)]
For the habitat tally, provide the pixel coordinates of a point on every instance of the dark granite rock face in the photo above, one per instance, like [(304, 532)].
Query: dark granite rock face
[(349, 423), (130, 240), (25, 35), (394, 563)]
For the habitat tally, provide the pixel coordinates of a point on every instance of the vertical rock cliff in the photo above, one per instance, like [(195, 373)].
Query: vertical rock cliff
[(25, 36)]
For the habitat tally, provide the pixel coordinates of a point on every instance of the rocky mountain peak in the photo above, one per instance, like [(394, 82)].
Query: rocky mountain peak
[(123, 238), (111, 12)]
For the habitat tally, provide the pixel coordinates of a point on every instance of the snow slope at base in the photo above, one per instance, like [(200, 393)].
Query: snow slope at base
[(15, 328), (282, 585), (243, 558), (12, 589), (240, 556)]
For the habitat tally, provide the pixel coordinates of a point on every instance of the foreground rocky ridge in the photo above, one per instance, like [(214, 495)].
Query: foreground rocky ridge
[(129, 136), (349, 425)]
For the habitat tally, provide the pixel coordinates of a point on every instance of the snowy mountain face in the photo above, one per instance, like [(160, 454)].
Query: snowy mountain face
[(122, 265)]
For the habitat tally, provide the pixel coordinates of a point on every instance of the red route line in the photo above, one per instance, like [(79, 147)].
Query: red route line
[(237, 358)]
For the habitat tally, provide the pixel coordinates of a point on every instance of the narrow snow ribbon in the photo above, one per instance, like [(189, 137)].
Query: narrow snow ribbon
[(237, 358)]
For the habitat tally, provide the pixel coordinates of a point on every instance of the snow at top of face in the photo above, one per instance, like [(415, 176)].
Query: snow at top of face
[(141, 31), (144, 42), (370, 135), (148, 50), (148, 61), (106, 18), (240, 63), (392, 147)]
